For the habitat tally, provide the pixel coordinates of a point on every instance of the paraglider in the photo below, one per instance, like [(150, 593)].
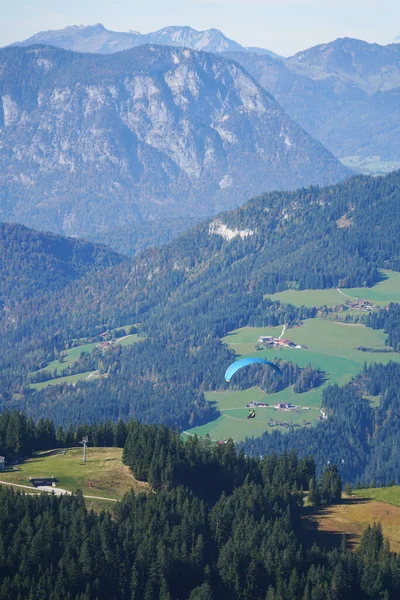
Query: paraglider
[(244, 362), (252, 414)]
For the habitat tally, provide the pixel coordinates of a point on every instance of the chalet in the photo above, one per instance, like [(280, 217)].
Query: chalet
[(284, 406), (362, 305)]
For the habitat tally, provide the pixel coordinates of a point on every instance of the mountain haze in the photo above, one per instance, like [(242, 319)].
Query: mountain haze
[(98, 39), (346, 94), (92, 144)]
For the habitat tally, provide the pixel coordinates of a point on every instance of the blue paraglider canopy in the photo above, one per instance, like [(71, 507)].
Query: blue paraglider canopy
[(244, 362)]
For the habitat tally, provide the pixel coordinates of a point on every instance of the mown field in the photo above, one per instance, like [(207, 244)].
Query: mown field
[(386, 291), (329, 345), (354, 514), (234, 423), (111, 479)]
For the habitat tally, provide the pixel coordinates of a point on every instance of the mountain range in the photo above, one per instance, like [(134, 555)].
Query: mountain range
[(344, 93), (98, 39), (111, 146)]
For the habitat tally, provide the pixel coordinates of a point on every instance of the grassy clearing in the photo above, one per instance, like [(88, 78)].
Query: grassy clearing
[(71, 358), (72, 355), (71, 379), (331, 346), (111, 479), (233, 421), (352, 516), (390, 495), (128, 340), (384, 292)]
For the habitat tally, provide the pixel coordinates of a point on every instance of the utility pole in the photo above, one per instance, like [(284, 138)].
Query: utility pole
[(85, 442)]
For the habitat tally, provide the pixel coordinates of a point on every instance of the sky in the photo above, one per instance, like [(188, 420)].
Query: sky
[(284, 26)]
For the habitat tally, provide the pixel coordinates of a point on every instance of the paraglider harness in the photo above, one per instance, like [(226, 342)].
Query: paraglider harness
[(252, 414)]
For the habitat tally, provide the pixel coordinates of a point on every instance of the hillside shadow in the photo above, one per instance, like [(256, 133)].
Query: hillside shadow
[(311, 532), (379, 278), (47, 453)]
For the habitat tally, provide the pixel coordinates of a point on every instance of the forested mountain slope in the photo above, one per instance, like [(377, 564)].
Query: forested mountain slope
[(194, 291), (33, 263), (93, 144)]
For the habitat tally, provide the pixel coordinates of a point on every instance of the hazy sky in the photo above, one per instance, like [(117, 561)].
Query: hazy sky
[(284, 26)]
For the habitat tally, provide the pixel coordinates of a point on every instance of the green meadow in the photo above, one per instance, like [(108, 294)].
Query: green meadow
[(390, 495), (71, 379), (71, 357), (329, 345), (384, 292), (110, 478)]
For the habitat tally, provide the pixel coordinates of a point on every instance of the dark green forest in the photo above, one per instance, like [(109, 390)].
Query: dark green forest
[(387, 319), (217, 525)]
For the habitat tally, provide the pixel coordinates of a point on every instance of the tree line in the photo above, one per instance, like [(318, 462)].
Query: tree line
[(217, 525)]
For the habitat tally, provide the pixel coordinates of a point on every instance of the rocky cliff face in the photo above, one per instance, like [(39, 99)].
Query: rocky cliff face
[(91, 144)]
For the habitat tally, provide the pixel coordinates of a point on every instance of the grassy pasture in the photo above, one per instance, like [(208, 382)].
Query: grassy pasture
[(71, 358), (352, 517), (331, 346), (384, 292), (390, 495), (71, 379), (127, 340), (233, 421), (111, 479)]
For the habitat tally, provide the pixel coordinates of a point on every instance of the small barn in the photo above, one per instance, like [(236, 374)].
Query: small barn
[(37, 481)]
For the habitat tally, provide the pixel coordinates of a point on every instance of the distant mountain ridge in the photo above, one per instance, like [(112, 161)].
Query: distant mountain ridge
[(345, 93), (102, 143), (98, 39)]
